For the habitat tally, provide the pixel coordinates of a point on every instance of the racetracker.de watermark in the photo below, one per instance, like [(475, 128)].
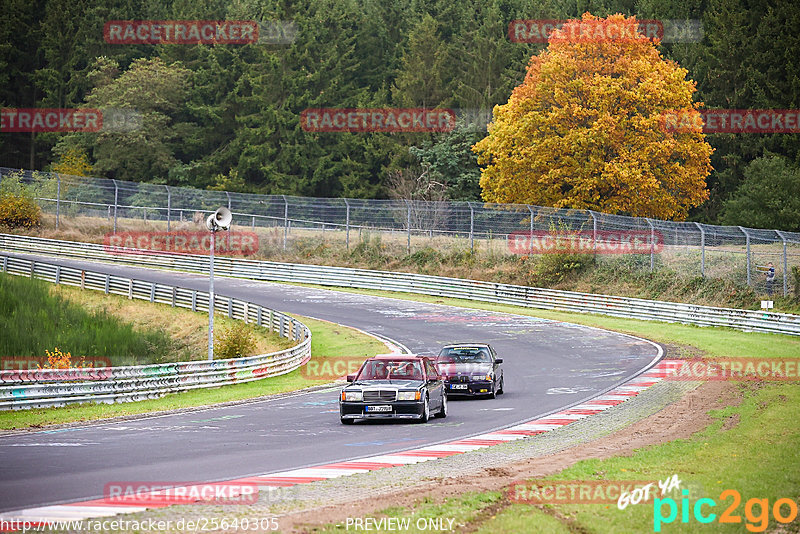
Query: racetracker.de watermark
[(377, 120), (585, 242), (579, 491), (212, 493), (736, 369), (237, 32), (69, 120), (226, 243), (732, 121), (330, 369), (554, 30), (37, 363)]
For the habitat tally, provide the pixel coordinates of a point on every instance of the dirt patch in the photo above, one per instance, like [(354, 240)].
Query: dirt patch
[(677, 421), (730, 422)]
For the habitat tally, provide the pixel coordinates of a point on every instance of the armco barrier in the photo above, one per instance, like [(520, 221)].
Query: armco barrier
[(532, 297), (57, 387)]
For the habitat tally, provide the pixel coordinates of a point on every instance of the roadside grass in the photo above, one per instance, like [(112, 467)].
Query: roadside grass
[(329, 341), (453, 515), (187, 329), (33, 319), (752, 447)]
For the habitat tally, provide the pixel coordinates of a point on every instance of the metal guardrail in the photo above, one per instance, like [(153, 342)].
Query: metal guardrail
[(39, 388), (733, 252), (531, 297)]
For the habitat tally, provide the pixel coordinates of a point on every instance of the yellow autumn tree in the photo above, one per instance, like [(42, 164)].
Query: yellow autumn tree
[(586, 130), (73, 161)]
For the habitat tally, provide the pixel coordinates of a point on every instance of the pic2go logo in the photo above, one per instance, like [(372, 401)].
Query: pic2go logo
[(757, 521)]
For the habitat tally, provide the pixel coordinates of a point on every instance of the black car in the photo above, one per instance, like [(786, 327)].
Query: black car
[(394, 386), (471, 369)]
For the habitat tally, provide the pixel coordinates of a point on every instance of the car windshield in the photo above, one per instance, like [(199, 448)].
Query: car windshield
[(391, 369), (464, 355)]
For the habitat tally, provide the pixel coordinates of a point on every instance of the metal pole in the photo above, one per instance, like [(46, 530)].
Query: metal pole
[(471, 227), (231, 225), (116, 197), (169, 206), (652, 244), (58, 198), (702, 250), (285, 220), (594, 233), (408, 227), (347, 224), (211, 298), (785, 266), (747, 236)]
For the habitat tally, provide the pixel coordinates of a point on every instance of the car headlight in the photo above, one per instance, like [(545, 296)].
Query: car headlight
[(408, 395), (355, 396), (489, 377)]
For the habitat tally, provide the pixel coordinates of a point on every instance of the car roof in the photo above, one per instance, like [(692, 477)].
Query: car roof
[(465, 345), (399, 357)]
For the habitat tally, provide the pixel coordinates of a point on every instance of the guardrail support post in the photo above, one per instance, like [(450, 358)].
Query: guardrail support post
[(169, 208), (258, 316), (785, 266), (271, 319), (58, 198), (116, 202), (194, 301), (130, 289), (652, 244), (702, 250), (108, 283), (5, 264), (747, 238), (347, 225), (58, 274), (471, 227)]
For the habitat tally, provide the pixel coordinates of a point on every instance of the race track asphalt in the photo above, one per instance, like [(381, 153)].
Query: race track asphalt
[(548, 366)]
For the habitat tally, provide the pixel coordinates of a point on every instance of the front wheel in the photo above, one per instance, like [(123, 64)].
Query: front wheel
[(500, 390), (493, 393), (443, 412), (426, 411)]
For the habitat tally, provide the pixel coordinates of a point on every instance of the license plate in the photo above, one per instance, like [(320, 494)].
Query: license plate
[(378, 409), (458, 386)]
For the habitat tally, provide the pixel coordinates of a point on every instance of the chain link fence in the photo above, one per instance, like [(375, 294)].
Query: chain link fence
[(687, 248)]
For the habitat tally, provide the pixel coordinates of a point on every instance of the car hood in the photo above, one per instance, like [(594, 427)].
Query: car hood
[(386, 384), (464, 369)]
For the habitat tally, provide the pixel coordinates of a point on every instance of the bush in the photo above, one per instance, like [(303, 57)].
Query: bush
[(19, 210), (236, 341), (796, 280)]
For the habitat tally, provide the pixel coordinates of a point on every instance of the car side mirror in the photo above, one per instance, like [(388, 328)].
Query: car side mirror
[(498, 360), (351, 378)]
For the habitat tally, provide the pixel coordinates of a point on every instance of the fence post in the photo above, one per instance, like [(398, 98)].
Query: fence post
[(594, 234), (702, 250), (347, 225), (58, 198), (785, 266), (169, 206), (408, 227), (471, 227), (116, 198), (747, 237), (652, 244), (285, 220), (230, 226)]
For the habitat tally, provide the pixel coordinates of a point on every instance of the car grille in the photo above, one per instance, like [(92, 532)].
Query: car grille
[(458, 379), (380, 395)]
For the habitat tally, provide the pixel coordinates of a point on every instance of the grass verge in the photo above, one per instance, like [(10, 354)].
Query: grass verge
[(328, 341)]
